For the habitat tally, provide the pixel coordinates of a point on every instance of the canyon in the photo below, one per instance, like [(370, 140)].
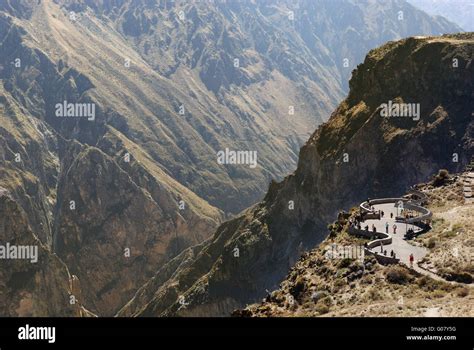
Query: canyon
[(133, 206)]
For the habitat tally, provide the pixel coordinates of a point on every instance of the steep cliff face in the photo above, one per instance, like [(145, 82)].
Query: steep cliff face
[(33, 285), (296, 38), (355, 155), (29, 165), (119, 231)]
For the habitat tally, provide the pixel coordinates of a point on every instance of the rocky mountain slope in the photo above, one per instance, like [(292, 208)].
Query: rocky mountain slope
[(119, 193), (323, 285), (355, 155), (30, 288), (85, 206), (184, 80)]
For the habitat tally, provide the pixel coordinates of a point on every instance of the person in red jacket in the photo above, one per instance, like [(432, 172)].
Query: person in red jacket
[(411, 260)]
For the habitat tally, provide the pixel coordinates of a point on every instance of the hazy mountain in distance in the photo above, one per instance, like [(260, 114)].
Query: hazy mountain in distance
[(460, 12)]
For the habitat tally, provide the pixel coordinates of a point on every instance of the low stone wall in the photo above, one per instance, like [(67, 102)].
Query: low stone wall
[(422, 197), (371, 216), (385, 240), (425, 213), (366, 233), (381, 238), (364, 206), (415, 205), (383, 259)]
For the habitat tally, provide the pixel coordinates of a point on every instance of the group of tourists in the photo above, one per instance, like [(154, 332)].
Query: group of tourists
[(356, 222), (359, 219), (410, 231), (384, 252), (394, 227)]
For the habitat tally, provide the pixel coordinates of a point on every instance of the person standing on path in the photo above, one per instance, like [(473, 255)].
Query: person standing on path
[(386, 227), (411, 260), (394, 229)]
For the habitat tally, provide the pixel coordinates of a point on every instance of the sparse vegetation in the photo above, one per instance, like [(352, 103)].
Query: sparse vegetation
[(346, 262), (398, 275), (321, 308), (462, 292), (298, 288), (441, 178), (374, 294), (354, 286), (431, 243)]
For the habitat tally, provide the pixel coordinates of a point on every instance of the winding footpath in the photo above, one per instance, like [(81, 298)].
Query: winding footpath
[(393, 238), (399, 245)]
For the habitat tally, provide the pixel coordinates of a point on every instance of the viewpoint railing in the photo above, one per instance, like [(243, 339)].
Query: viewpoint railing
[(410, 204), (426, 214), (422, 197), (365, 208), (383, 238)]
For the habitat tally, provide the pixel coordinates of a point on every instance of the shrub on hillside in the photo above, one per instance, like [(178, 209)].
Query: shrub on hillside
[(441, 178), (438, 294), (397, 275), (431, 243), (460, 277), (462, 292), (428, 284), (346, 262), (321, 308), (374, 294), (298, 288)]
